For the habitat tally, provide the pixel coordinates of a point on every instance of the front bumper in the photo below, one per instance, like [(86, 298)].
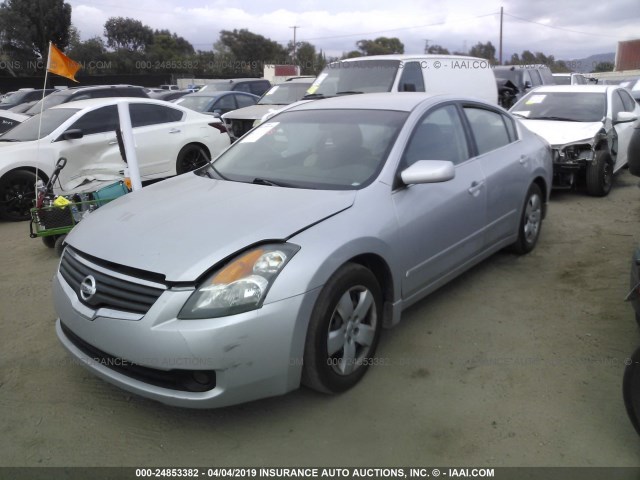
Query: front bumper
[(249, 356)]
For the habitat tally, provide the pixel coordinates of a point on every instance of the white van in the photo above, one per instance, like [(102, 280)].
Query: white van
[(452, 74)]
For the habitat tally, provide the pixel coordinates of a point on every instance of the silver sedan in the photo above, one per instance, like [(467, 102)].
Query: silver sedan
[(280, 262)]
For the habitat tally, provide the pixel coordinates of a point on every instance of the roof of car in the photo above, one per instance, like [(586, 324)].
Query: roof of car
[(574, 88), (235, 80), (405, 57), (399, 101), (95, 102)]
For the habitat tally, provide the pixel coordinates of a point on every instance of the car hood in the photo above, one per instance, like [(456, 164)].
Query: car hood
[(182, 227), (254, 112), (561, 133)]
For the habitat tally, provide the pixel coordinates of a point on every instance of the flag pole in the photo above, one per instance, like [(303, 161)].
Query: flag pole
[(44, 90)]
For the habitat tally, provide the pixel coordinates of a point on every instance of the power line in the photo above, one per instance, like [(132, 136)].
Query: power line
[(591, 34)]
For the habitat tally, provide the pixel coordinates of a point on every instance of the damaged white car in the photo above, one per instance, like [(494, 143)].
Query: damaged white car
[(589, 128)]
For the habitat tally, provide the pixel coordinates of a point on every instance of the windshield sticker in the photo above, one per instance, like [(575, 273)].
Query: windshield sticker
[(535, 99), (522, 113), (314, 86), (259, 132), (273, 90)]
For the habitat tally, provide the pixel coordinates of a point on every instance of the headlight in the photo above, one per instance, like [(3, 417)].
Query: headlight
[(241, 285)]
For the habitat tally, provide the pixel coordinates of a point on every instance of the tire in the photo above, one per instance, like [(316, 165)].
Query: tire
[(50, 241), (191, 157), (600, 175), (59, 245), (17, 194), (530, 221), (349, 311), (631, 390)]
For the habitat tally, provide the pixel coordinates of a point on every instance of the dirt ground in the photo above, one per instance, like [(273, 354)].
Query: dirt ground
[(517, 363)]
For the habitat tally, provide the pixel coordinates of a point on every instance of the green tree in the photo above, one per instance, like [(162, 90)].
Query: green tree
[(310, 61), (27, 26), (91, 53), (484, 50), (438, 50), (127, 34), (380, 46), (604, 67), (250, 50)]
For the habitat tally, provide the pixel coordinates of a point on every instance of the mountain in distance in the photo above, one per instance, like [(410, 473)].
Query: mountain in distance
[(586, 65)]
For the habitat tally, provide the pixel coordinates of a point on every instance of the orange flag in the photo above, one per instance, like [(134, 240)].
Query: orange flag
[(60, 64)]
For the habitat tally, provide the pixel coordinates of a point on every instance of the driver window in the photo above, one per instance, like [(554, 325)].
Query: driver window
[(438, 136)]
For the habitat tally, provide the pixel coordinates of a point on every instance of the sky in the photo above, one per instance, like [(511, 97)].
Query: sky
[(566, 29)]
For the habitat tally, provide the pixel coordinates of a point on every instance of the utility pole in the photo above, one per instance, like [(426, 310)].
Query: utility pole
[(426, 45), (295, 27), (501, 16)]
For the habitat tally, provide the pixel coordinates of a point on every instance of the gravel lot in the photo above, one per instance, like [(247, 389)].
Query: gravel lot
[(517, 363)]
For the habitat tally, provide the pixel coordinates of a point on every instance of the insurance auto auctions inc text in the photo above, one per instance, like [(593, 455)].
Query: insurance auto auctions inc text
[(371, 473)]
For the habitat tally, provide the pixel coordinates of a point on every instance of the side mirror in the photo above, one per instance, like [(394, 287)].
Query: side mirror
[(528, 85), (624, 117), (73, 134), (428, 171)]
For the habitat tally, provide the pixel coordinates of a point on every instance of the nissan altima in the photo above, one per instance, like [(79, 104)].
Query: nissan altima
[(279, 263)]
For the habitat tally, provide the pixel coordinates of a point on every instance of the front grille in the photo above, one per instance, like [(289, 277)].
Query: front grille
[(183, 380), (110, 291)]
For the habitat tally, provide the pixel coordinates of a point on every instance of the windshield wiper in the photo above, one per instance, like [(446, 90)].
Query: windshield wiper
[(559, 119), (348, 92), (519, 115), (9, 140), (271, 183), (309, 96)]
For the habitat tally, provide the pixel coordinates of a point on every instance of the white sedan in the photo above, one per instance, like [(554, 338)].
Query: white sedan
[(169, 140), (589, 128)]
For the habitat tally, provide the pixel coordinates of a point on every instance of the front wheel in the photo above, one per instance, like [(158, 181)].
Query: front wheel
[(191, 157), (530, 221), (600, 175), (17, 195), (343, 331)]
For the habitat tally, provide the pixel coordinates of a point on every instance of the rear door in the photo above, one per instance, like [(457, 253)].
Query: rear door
[(505, 167), (621, 101), (441, 224), (159, 135)]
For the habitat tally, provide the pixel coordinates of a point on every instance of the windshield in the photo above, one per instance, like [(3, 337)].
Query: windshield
[(49, 101), (219, 86), (569, 106), (562, 79), (284, 94), (199, 103), (363, 76), (28, 130), (324, 149)]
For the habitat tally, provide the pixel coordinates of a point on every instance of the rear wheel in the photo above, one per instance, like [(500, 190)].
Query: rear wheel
[(17, 194), (191, 157), (600, 175), (50, 241), (344, 330), (530, 221), (59, 245)]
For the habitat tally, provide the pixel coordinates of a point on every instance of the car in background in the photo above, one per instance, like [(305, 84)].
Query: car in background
[(589, 128), (255, 86), (453, 74), (74, 94), (79, 93), (570, 79), (169, 140), (240, 121), (169, 87), (217, 103), (169, 95), (9, 119), (516, 80), (280, 262), (24, 96)]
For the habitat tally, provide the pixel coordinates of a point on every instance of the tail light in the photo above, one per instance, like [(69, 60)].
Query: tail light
[(219, 126)]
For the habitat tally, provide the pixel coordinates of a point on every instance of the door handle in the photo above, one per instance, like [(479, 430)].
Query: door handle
[(174, 130), (523, 159), (113, 142), (475, 187)]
